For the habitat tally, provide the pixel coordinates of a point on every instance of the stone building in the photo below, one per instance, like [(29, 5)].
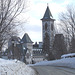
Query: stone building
[(37, 52), (48, 26), (15, 49), (48, 32), (20, 49), (28, 44), (48, 35)]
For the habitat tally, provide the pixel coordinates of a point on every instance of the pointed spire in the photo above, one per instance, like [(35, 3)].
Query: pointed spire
[(26, 39), (47, 4), (47, 14)]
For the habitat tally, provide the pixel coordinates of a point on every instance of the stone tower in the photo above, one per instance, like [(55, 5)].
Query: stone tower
[(48, 27)]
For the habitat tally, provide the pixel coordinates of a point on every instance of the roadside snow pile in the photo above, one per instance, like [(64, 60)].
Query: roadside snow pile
[(14, 67), (67, 62)]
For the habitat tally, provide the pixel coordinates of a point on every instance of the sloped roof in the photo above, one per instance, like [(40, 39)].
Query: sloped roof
[(26, 39), (47, 14), (15, 38)]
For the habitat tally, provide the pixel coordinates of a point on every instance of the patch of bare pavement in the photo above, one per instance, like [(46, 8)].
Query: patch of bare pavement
[(53, 70)]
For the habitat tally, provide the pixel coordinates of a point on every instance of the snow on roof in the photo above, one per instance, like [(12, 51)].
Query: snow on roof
[(66, 55)]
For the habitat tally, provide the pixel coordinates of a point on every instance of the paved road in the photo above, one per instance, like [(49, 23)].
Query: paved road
[(50, 70)]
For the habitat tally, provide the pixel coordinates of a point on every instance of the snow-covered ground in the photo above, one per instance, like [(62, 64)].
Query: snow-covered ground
[(67, 62), (15, 67)]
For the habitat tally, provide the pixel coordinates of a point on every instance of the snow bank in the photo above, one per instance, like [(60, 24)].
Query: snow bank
[(67, 62), (14, 67)]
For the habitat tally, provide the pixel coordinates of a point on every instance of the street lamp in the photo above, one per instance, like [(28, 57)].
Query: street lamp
[(13, 47)]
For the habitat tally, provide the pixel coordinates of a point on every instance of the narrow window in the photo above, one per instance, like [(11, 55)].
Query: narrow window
[(46, 26), (52, 27)]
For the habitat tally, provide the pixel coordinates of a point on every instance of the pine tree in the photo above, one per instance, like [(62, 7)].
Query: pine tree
[(72, 47), (46, 48), (59, 47)]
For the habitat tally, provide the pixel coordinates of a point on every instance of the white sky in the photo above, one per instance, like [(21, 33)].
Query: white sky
[(36, 11)]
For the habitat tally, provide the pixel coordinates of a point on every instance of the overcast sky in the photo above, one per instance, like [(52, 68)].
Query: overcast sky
[(36, 11)]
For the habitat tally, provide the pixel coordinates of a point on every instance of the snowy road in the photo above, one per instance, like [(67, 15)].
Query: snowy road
[(51, 70)]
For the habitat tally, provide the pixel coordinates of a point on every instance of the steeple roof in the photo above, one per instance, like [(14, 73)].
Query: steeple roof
[(47, 14), (26, 39)]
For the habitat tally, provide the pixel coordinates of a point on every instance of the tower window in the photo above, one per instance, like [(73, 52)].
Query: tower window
[(46, 26), (52, 27)]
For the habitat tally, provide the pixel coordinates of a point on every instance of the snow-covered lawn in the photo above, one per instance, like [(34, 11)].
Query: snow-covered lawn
[(67, 62), (14, 67)]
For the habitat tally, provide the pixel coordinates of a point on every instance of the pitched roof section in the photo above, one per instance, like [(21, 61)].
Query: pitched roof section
[(26, 39), (47, 14)]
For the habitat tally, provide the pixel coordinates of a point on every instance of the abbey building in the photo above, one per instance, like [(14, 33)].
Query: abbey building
[(48, 27), (51, 47), (51, 41)]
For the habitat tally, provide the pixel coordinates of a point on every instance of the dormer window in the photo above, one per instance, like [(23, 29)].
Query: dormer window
[(46, 26)]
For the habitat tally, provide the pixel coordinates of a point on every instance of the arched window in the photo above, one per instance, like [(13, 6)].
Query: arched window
[(46, 26), (46, 34), (52, 27)]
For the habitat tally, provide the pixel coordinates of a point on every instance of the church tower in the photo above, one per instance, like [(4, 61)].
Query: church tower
[(48, 28)]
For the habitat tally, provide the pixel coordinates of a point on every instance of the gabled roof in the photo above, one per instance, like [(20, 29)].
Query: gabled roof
[(26, 39), (47, 14)]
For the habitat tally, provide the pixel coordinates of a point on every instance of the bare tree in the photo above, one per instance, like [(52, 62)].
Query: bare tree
[(9, 10), (67, 21)]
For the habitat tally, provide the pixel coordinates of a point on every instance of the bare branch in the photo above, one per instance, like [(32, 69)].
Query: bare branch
[(9, 10)]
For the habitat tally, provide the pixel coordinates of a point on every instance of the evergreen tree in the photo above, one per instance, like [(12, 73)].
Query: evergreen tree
[(46, 48), (72, 47), (59, 47)]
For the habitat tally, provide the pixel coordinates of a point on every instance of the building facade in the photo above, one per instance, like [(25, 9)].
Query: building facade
[(28, 44), (37, 52), (15, 49), (48, 28)]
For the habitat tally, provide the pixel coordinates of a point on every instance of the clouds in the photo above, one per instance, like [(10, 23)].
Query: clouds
[(41, 1), (37, 10), (38, 7), (34, 29)]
